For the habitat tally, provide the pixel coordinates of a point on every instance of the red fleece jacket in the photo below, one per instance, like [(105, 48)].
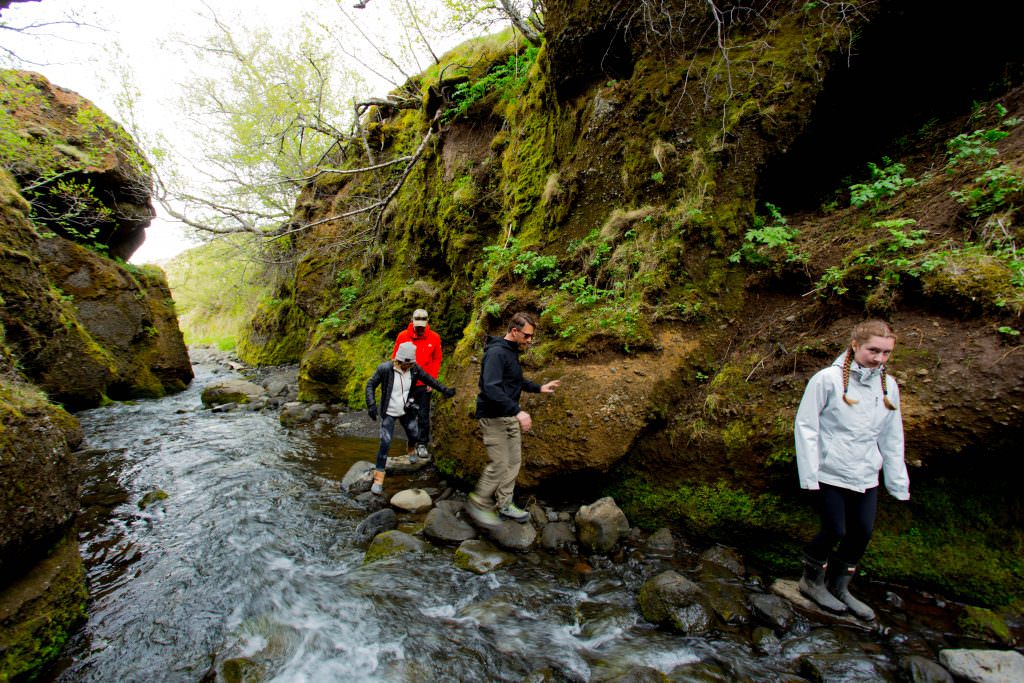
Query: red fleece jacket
[(428, 348)]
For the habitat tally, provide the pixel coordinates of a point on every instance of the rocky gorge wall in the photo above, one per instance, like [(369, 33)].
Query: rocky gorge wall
[(77, 328), (676, 195)]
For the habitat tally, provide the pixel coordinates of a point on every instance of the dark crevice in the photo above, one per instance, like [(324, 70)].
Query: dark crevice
[(918, 62)]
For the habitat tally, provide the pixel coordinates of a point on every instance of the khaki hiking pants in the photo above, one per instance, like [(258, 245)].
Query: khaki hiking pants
[(503, 440)]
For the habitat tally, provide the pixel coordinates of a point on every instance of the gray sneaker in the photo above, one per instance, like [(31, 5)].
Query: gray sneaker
[(512, 511), (377, 489), (422, 453), (480, 513)]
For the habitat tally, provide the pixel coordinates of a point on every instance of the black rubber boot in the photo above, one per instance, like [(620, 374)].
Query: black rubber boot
[(839, 586), (812, 585)]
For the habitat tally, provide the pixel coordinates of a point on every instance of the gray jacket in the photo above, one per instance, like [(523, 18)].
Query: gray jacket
[(846, 445)]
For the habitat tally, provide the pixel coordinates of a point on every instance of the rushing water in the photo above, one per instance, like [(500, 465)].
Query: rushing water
[(246, 571)]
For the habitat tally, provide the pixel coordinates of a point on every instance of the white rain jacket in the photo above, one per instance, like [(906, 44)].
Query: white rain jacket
[(846, 445)]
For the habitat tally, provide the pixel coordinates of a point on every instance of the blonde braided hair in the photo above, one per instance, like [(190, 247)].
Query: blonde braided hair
[(861, 334)]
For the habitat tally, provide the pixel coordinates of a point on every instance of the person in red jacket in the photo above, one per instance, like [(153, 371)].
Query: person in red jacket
[(428, 357)]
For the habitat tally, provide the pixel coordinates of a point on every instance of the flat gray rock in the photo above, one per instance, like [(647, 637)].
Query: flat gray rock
[(787, 588), (984, 666)]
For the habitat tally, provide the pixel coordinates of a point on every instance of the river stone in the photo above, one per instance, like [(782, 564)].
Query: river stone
[(772, 610), (230, 391), (842, 667), (537, 515), (765, 641), (724, 557), (670, 599), (787, 588), (391, 543), (984, 666), (728, 600), (359, 477), (634, 674), (400, 464), (480, 557), (412, 500), (601, 525), (452, 507), (660, 544), (151, 498), (442, 525), (918, 669), (296, 412), (557, 535), (700, 672), (377, 523), (513, 535)]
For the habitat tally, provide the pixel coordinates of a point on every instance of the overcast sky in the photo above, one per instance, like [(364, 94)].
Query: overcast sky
[(146, 33)]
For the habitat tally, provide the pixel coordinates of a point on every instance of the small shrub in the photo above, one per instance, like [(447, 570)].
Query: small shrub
[(885, 182), (769, 237)]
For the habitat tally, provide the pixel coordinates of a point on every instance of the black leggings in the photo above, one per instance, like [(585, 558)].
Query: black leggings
[(847, 517)]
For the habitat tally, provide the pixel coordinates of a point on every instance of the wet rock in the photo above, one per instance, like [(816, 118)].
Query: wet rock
[(225, 407), (728, 600), (392, 543), (359, 477), (376, 523), (371, 501), (151, 498), (601, 525), (412, 500), (984, 666), (401, 464), (601, 621), (296, 412), (842, 668), (634, 674), (480, 557), (917, 669), (787, 588), (442, 525), (672, 600), (452, 507), (660, 544), (765, 641), (557, 535), (242, 670), (700, 672), (537, 515), (231, 391), (724, 557), (772, 610), (513, 535)]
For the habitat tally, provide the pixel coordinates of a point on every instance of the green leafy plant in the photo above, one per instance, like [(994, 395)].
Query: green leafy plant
[(507, 79), (1009, 331), (885, 182), (996, 189), (767, 240)]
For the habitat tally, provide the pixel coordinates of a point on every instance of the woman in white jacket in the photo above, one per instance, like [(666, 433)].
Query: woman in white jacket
[(849, 427)]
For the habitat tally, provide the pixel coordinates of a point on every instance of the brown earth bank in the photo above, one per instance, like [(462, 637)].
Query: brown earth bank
[(77, 328), (698, 207)]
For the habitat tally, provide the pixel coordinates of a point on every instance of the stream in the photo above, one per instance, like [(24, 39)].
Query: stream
[(246, 571)]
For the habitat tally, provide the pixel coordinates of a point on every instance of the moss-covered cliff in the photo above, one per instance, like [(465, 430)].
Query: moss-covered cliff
[(698, 207), (77, 327)]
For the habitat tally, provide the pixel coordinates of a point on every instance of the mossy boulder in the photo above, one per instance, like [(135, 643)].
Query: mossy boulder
[(51, 133), (39, 610), (392, 543)]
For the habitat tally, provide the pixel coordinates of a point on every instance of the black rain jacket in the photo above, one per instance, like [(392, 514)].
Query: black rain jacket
[(501, 380)]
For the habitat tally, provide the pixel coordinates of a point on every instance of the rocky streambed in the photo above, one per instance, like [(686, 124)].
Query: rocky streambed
[(240, 544)]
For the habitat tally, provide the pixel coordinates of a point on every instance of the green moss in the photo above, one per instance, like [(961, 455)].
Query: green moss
[(984, 624), (34, 636), (339, 370)]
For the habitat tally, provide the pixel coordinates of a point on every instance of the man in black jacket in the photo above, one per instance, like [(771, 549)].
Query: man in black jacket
[(502, 421), (396, 378)]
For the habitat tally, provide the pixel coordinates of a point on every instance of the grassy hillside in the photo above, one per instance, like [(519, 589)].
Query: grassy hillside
[(216, 287)]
